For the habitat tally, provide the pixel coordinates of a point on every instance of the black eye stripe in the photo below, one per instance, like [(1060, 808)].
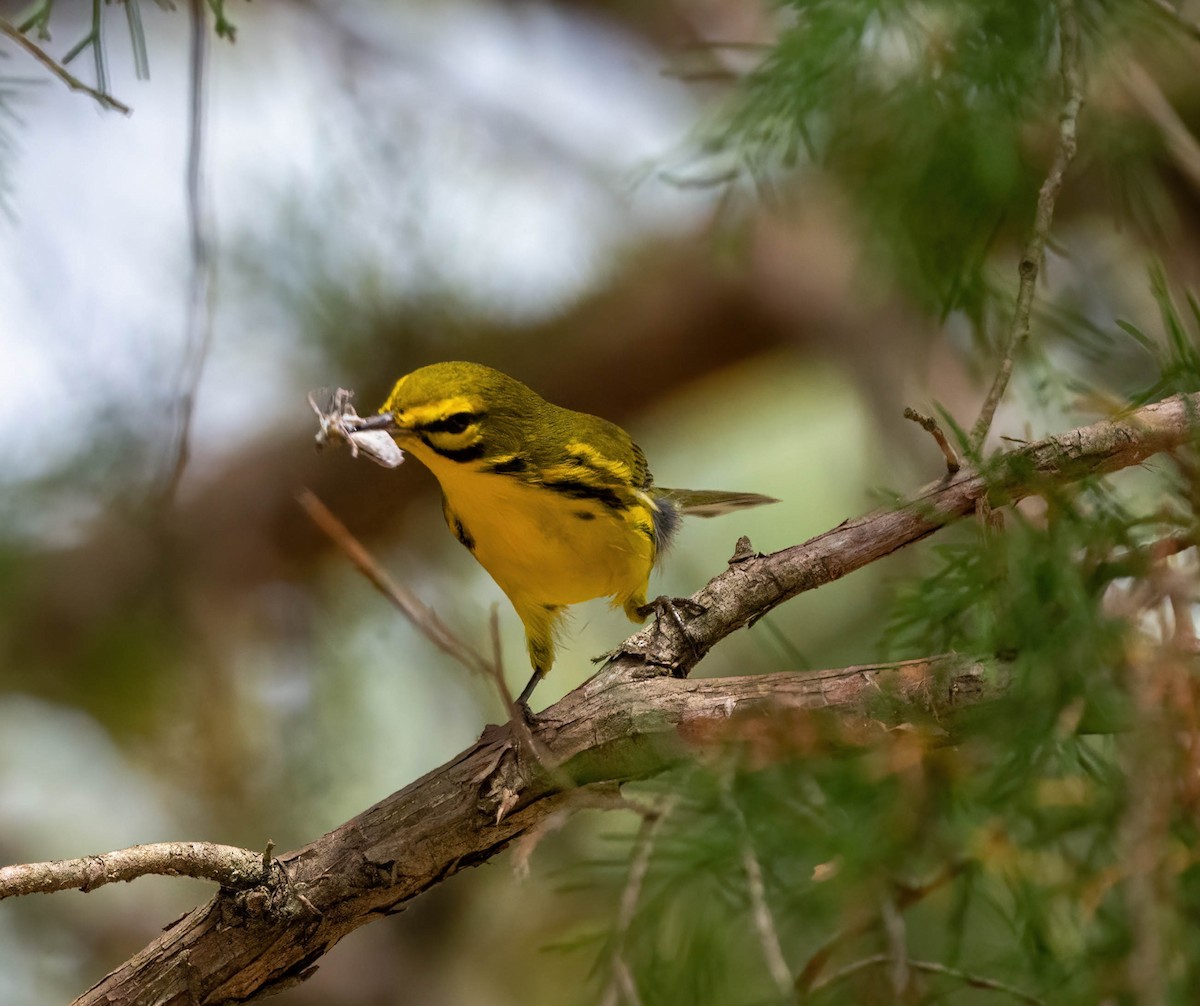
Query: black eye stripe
[(459, 422)]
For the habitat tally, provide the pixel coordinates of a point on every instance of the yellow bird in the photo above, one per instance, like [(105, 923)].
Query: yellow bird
[(558, 506)]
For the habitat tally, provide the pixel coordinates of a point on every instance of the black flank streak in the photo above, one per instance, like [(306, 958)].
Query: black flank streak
[(462, 534), (585, 515), (583, 491)]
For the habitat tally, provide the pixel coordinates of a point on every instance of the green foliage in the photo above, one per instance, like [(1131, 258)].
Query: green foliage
[(222, 25), (917, 111), (1007, 845), (1005, 853), (38, 17), (933, 118), (1177, 358)]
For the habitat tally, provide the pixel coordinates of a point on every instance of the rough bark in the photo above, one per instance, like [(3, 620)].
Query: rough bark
[(611, 730), (630, 721)]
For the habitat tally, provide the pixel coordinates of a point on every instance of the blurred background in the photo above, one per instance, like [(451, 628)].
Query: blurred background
[(547, 187)]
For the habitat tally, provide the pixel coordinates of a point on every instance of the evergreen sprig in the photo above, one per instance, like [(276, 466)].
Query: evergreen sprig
[(934, 121)]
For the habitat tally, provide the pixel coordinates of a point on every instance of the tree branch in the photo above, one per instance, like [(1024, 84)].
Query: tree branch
[(754, 584), (1182, 145), (760, 910), (933, 968), (1188, 27), (930, 426), (228, 865), (61, 72), (621, 982), (629, 721), (242, 944), (1032, 258), (198, 317)]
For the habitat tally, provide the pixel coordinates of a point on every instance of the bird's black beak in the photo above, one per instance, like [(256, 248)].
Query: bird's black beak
[(382, 421)]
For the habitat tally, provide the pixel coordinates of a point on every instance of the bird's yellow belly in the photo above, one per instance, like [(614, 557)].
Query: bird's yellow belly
[(545, 548)]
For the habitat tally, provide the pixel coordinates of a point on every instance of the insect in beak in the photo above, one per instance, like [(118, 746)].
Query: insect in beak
[(339, 421)]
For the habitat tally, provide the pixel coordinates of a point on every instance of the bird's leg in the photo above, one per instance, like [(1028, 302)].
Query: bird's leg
[(671, 607), (539, 622), (523, 698)]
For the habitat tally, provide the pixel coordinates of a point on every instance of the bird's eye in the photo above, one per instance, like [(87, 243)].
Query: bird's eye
[(456, 423)]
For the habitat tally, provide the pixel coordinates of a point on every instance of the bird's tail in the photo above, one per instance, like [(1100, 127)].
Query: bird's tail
[(711, 502)]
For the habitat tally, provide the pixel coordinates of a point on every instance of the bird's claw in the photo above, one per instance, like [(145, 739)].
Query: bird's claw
[(671, 608)]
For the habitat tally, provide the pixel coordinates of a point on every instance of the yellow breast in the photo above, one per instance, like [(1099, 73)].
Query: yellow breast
[(543, 546)]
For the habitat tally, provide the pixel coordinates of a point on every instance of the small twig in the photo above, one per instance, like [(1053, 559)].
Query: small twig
[(726, 177), (896, 934), (95, 40), (61, 72), (623, 980), (226, 864), (602, 796), (1149, 757), (1184, 625), (1134, 561), (421, 616), (39, 18), (496, 665), (620, 980), (1034, 254), (930, 426), (906, 895), (427, 622), (1180, 142), (929, 967), (760, 911), (198, 319), (137, 39), (1188, 27)]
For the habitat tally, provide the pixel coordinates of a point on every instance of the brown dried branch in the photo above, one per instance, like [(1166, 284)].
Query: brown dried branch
[(422, 617), (230, 866), (754, 585), (621, 984), (596, 797), (933, 968), (1136, 561), (1188, 27), (613, 729), (760, 910), (1181, 144), (427, 622), (1032, 258), (198, 321), (60, 71), (627, 722), (930, 426), (904, 896)]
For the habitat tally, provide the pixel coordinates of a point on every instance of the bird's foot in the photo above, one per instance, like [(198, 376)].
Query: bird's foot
[(674, 608), (672, 605)]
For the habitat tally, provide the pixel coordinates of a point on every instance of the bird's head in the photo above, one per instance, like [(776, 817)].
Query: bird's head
[(460, 412)]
